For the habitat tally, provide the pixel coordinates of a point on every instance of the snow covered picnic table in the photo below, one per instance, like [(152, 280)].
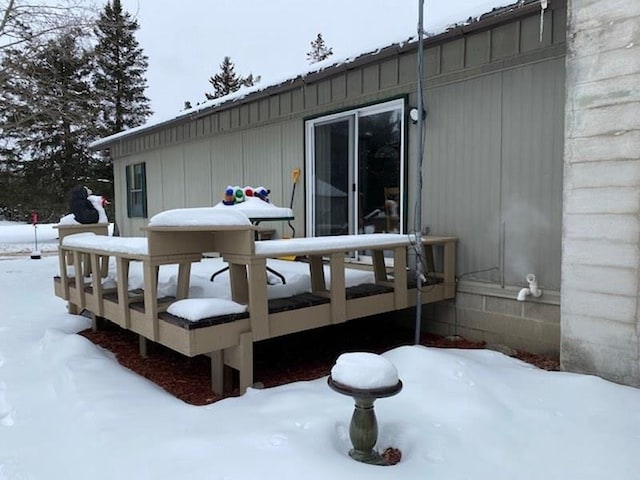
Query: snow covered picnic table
[(206, 327)]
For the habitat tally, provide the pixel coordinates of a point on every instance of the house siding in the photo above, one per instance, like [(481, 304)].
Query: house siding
[(488, 92), (601, 263)]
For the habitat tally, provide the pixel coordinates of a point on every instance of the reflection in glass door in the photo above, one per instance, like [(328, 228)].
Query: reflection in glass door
[(379, 162), (333, 176), (356, 165)]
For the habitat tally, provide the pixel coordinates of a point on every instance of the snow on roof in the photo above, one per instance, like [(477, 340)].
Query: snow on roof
[(435, 23)]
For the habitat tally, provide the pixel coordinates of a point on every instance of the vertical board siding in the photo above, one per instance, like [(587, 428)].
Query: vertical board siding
[(477, 49), (493, 156), (407, 68), (505, 41), (452, 56), (274, 107), (197, 174), (493, 147), (532, 174), (292, 135), (389, 73), (324, 92), (173, 185), (339, 88), (462, 169), (226, 163), (354, 83), (371, 78), (262, 160)]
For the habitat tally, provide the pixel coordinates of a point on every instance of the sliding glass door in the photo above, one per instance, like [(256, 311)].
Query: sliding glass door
[(355, 162)]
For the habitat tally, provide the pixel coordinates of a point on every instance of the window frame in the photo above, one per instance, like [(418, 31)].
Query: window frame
[(354, 113), (136, 184)]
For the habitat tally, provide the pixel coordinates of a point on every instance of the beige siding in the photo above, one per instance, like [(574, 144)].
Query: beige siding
[(172, 183), (226, 163), (262, 160), (491, 168), (462, 169), (197, 174), (292, 134), (532, 149)]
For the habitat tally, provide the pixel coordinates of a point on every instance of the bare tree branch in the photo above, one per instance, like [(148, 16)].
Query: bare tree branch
[(23, 21)]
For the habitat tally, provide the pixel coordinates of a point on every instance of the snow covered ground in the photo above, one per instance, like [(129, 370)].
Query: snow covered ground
[(21, 238), (69, 411)]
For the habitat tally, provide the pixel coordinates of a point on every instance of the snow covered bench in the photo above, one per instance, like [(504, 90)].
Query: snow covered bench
[(248, 279), (66, 229)]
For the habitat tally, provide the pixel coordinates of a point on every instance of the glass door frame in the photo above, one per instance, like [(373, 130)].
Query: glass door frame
[(352, 116)]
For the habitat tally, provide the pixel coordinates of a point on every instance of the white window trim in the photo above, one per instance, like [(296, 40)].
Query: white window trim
[(310, 154)]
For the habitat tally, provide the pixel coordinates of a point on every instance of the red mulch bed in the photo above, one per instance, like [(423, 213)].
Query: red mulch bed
[(302, 356)]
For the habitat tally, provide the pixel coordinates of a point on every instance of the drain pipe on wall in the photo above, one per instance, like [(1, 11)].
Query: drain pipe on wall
[(533, 289), (419, 157)]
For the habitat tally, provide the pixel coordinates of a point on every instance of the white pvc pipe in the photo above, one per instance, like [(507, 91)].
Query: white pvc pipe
[(533, 289)]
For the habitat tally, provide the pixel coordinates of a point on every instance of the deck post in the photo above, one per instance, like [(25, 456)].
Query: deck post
[(122, 271), (450, 269), (143, 348), (240, 357), (258, 302), (217, 372), (337, 289), (96, 284), (400, 290), (184, 273), (316, 270), (151, 296), (79, 278)]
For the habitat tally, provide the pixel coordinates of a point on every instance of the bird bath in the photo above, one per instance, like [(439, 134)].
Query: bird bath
[(363, 429)]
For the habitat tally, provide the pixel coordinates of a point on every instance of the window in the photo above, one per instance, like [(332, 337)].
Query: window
[(356, 165), (136, 190)]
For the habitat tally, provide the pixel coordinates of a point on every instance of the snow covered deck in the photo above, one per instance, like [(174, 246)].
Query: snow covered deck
[(225, 328)]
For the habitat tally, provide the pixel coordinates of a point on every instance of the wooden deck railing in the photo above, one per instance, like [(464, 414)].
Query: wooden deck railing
[(229, 341)]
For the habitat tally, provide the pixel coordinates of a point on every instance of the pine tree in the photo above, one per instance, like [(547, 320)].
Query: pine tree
[(47, 123), (119, 78), (319, 50), (228, 81)]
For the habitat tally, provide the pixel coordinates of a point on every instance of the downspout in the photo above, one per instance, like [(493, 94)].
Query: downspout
[(419, 156)]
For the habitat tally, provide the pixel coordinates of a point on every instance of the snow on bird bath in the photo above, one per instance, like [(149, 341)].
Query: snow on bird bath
[(364, 370)]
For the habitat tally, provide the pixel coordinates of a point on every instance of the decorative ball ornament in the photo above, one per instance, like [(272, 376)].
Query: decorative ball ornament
[(236, 194)]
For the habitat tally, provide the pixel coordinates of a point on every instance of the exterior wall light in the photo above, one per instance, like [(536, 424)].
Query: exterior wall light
[(413, 115)]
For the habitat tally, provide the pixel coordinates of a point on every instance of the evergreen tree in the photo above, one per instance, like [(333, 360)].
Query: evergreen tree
[(47, 123), (119, 77), (228, 81), (319, 50)]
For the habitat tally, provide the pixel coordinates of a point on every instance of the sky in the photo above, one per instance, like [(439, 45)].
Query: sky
[(187, 41), (69, 411)]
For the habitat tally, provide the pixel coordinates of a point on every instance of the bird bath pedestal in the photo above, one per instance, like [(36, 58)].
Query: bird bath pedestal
[(363, 430)]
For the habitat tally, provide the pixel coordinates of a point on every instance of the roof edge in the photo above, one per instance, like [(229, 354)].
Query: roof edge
[(487, 20)]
